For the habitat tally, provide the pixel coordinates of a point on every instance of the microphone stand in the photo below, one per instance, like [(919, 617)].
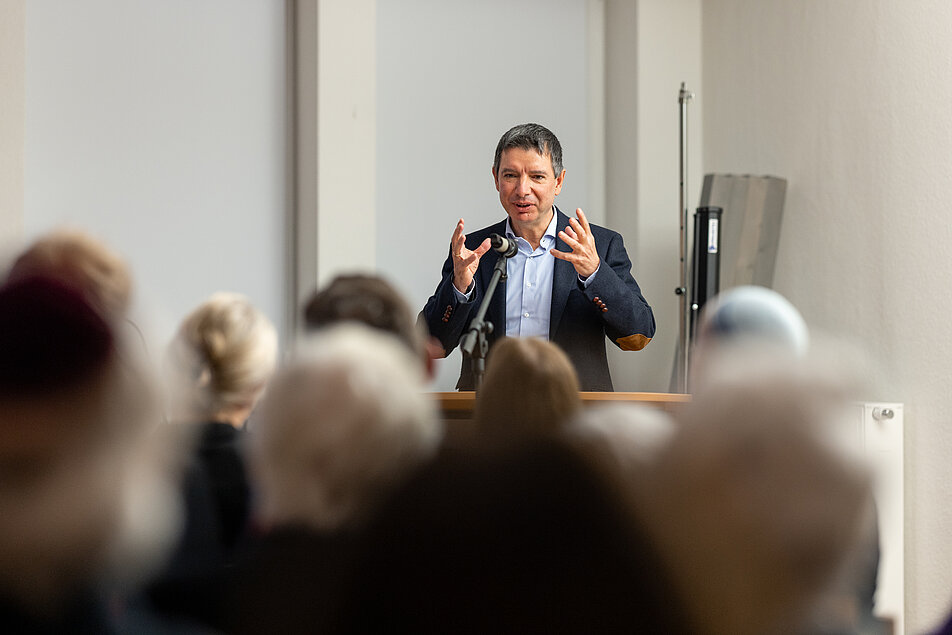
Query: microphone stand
[(476, 343), (683, 361)]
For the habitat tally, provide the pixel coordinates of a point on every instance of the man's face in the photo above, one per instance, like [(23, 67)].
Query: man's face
[(527, 187)]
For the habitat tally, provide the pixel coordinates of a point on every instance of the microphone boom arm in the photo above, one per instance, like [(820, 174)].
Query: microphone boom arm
[(475, 342)]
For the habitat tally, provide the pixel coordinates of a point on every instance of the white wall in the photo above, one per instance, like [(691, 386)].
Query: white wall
[(12, 62), (180, 108), (451, 78), (161, 128), (347, 136), (12, 105), (850, 102)]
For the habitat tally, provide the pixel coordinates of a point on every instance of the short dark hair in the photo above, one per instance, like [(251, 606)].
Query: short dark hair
[(531, 136), (368, 299)]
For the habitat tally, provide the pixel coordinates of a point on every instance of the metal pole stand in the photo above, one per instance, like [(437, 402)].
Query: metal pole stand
[(475, 342), (684, 335)]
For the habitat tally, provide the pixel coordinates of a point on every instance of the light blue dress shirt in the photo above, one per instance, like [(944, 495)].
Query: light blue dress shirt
[(529, 285)]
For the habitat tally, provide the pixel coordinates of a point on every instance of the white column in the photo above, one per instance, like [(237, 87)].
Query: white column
[(336, 137)]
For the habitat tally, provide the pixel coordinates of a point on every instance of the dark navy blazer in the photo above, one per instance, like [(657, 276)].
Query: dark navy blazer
[(580, 317)]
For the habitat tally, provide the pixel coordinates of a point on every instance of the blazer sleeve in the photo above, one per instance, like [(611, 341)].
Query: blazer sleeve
[(628, 319)]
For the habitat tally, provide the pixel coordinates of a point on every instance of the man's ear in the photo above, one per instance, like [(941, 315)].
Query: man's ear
[(495, 179), (558, 183)]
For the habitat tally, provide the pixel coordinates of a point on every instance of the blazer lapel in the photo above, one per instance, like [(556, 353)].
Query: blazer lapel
[(564, 277)]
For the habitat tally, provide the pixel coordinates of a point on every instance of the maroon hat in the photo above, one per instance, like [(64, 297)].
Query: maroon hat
[(50, 337)]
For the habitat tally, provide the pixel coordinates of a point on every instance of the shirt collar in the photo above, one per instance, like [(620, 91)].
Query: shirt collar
[(548, 236)]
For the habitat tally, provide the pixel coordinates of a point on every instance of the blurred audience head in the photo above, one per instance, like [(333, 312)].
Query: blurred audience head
[(756, 499), (632, 436), (84, 495), (749, 318), (342, 424), (532, 537), (220, 360), (753, 312), (88, 265), (530, 387), (370, 300)]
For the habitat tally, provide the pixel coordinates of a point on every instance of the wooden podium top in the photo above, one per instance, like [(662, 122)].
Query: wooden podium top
[(459, 405)]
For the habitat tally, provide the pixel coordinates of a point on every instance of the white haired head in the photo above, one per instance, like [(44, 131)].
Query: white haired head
[(750, 320), (755, 500), (632, 434), (753, 312), (344, 422)]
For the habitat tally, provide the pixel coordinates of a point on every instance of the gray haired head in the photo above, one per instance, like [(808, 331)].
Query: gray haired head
[(531, 136)]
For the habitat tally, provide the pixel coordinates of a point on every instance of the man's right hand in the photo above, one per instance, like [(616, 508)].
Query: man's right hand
[(465, 261)]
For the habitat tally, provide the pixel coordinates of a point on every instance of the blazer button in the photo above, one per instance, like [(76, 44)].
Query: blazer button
[(604, 309)]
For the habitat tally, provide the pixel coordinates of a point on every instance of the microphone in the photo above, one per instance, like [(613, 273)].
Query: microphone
[(506, 246)]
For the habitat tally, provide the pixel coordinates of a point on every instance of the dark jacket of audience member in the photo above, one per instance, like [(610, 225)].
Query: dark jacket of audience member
[(525, 539)]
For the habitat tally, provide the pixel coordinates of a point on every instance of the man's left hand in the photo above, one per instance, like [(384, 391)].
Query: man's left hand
[(578, 236)]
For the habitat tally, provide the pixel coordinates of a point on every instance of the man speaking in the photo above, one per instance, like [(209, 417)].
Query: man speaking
[(570, 282)]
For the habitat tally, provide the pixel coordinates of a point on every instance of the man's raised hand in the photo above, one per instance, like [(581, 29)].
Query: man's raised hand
[(578, 236), (465, 261)]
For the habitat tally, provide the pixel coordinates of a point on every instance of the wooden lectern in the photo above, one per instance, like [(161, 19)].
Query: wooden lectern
[(457, 407)]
